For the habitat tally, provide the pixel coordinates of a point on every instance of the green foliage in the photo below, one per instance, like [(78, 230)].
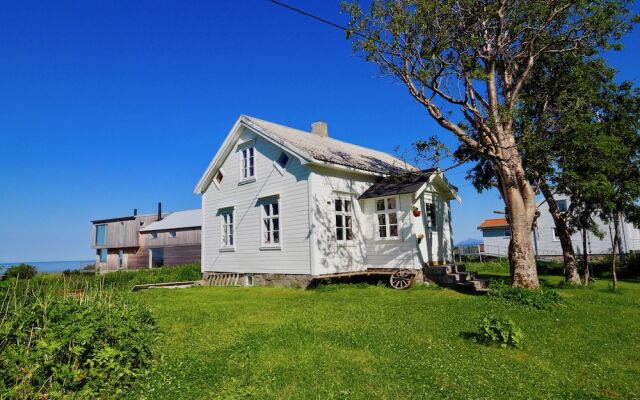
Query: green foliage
[(540, 299), (22, 271), (499, 331), (74, 344)]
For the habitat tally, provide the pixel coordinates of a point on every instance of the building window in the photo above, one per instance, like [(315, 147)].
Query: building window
[(554, 234), (227, 231), (172, 234), (103, 255), (248, 170), (344, 219), (101, 235), (154, 235), (283, 160), (120, 258), (562, 205), (507, 233), (431, 215), (219, 177), (271, 224), (387, 217)]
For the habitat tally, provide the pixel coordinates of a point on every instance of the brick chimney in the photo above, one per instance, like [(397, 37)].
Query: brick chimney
[(320, 128)]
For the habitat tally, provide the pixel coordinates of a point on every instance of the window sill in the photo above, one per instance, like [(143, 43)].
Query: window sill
[(227, 249), (268, 248), (245, 181)]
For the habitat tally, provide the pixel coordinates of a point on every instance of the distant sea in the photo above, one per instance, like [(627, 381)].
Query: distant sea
[(53, 266)]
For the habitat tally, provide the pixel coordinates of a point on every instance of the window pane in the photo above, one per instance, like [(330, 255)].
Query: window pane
[(251, 169), (347, 205), (274, 208), (393, 230), (267, 237), (101, 234), (267, 225), (340, 233), (347, 221), (251, 151), (338, 204), (348, 234), (266, 209), (391, 204), (275, 223), (380, 205), (339, 221), (283, 160), (276, 237), (382, 231), (381, 219), (393, 218)]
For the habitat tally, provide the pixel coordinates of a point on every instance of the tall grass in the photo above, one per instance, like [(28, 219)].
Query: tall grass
[(62, 341)]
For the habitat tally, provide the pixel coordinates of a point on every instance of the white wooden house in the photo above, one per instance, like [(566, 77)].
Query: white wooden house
[(282, 206), (496, 235)]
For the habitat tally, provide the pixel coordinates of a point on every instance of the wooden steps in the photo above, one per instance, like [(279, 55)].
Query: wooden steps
[(223, 279)]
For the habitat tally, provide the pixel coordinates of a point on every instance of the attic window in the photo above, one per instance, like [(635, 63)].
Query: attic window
[(283, 160), (219, 177)]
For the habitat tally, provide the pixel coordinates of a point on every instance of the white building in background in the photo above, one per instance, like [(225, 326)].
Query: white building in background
[(281, 203), (496, 235)]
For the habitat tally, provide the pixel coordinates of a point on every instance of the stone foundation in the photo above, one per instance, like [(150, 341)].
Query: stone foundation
[(270, 280)]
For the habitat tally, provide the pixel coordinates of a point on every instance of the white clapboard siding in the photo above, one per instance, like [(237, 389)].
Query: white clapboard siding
[(391, 253), (330, 256), (290, 184)]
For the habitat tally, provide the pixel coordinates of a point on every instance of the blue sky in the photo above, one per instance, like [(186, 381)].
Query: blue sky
[(109, 106)]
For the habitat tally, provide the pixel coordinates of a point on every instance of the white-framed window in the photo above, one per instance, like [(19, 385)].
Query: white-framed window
[(554, 234), (218, 178), (387, 217), (172, 234), (227, 231), (154, 235), (431, 216), (562, 205), (344, 219), (247, 168), (271, 223)]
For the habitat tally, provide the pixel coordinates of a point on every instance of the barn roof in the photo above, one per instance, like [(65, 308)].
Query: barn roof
[(493, 223), (176, 220)]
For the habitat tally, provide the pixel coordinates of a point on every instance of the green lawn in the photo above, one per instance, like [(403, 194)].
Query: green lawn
[(373, 342)]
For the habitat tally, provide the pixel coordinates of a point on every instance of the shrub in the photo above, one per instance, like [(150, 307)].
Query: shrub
[(541, 299), (499, 331), (79, 344), (23, 271)]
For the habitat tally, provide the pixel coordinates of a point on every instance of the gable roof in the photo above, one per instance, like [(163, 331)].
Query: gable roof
[(309, 148), (176, 220), (493, 223), (410, 183)]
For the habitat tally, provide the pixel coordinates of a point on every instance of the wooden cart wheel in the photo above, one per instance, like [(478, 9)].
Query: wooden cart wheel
[(401, 279)]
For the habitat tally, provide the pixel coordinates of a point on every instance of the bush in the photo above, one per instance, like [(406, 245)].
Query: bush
[(77, 344), (23, 271), (541, 299), (499, 331)]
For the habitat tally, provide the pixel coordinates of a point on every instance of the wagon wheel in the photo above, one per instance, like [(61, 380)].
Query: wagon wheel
[(401, 279)]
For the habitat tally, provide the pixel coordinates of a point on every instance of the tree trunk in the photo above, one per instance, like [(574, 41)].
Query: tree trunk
[(585, 256), (519, 198), (571, 275), (616, 238)]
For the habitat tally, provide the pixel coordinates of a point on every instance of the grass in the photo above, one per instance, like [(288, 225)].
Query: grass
[(362, 342)]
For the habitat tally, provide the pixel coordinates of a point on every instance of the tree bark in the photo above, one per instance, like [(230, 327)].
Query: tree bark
[(585, 256), (571, 275), (616, 238), (519, 198)]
